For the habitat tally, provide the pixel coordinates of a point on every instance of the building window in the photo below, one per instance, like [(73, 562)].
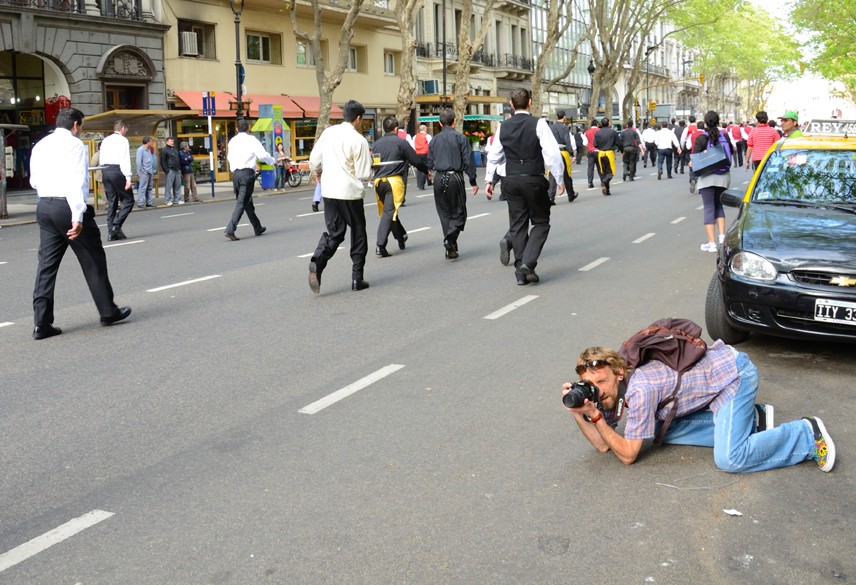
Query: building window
[(264, 48), (196, 39), (306, 57), (356, 60), (389, 66)]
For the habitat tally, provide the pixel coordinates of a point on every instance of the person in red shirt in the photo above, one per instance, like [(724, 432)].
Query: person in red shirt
[(592, 152), (420, 145), (760, 140)]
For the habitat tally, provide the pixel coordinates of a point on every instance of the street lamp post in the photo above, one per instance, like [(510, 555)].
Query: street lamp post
[(591, 69), (648, 50), (237, 9)]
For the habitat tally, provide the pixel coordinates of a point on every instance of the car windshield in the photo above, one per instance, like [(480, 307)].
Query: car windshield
[(808, 177)]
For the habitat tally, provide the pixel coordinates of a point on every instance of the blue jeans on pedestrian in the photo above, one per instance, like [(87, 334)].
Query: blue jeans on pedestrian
[(737, 448), (172, 189), (664, 154), (280, 177)]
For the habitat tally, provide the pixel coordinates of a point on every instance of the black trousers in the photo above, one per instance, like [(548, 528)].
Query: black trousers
[(566, 179), (737, 155), (651, 153), (387, 223), (339, 215), (120, 201), (631, 155), (420, 176), (244, 181), (54, 218), (592, 163), (527, 203), (450, 198)]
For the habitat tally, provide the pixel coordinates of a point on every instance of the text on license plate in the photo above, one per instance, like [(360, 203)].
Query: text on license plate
[(835, 311)]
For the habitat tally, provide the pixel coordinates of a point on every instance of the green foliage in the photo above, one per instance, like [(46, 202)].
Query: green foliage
[(831, 26)]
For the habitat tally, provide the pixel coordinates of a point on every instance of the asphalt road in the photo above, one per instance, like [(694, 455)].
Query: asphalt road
[(183, 446)]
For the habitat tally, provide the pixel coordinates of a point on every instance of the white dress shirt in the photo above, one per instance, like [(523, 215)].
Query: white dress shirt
[(115, 150), (59, 167), (665, 139), (342, 156), (549, 150), (244, 150), (648, 135)]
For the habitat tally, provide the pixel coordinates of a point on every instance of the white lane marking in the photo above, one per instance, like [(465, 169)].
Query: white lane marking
[(124, 243), (643, 238), (422, 229), (48, 539), (177, 215), (700, 207), (224, 227), (370, 204), (304, 198), (478, 216), (678, 220), (308, 214), (594, 264), (310, 254), (186, 282), (745, 182), (3, 262), (508, 308), (426, 195), (6, 324), (343, 393)]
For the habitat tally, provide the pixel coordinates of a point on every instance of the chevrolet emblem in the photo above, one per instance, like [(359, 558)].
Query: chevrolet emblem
[(843, 281)]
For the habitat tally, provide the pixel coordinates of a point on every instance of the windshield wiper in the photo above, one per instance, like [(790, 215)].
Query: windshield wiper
[(783, 201)]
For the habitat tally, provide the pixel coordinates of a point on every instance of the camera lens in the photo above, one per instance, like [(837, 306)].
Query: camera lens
[(579, 393)]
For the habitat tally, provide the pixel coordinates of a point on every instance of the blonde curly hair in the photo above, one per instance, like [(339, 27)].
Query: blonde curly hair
[(610, 356)]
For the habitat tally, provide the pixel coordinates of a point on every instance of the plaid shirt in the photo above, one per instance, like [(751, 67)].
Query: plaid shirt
[(712, 382)]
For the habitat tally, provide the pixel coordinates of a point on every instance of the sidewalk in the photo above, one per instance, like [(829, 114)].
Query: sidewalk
[(21, 205)]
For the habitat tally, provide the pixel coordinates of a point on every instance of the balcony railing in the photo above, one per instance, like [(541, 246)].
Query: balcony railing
[(120, 9), (481, 57)]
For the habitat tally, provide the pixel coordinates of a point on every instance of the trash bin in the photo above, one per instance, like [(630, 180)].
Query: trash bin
[(268, 178)]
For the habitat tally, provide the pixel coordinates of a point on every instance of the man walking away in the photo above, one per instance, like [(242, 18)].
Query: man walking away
[(342, 161), (648, 135), (526, 145), (420, 145), (145, 172), (592, 153), (450, 156), (631, 145), (116, 160), (606, 141), (170, 164), (59, 171), (244, 150), (567, 145), (389, 185), (665, 141), (682, 158)]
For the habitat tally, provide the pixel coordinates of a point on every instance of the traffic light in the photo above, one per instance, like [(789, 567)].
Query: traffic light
[(652, 105), (701, 78)]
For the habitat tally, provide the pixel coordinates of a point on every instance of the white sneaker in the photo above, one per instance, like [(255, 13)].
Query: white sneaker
[(721, 238), (708, 247), (181, 201), (169, 203)]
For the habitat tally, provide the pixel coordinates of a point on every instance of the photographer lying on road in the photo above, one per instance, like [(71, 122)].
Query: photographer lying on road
[(715, 408)]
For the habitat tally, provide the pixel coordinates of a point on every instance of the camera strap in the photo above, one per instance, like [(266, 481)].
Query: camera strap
[(620, 402)]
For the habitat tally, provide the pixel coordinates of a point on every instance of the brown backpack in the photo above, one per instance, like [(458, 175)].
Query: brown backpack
[(674, 342)]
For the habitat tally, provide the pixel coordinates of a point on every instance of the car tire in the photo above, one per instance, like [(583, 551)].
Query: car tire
[(718, 326)]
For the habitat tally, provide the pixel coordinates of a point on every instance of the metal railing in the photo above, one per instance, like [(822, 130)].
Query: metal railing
[(119, 9), (482, 57)]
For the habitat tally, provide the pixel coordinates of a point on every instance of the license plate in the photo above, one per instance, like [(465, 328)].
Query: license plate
[(835, 311)]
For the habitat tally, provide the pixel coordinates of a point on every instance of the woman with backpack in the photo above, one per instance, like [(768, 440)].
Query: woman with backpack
[(711, 186)]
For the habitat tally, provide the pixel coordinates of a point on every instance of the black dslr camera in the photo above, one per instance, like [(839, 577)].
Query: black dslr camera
[(579, 392)]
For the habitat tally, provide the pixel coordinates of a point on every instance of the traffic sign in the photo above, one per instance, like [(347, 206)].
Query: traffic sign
[(209, 104)]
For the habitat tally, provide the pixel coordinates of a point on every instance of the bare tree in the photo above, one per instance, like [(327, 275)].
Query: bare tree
[(466, 49), (559, 19), (404, 13), (327, 84)]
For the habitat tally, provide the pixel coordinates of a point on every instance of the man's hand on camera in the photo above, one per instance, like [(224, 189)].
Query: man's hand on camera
[(588, 408)]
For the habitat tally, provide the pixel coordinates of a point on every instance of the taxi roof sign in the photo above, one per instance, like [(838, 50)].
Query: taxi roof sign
[(832, 127)]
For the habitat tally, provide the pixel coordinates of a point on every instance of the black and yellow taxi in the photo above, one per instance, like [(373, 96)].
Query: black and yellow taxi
[(787, 266)]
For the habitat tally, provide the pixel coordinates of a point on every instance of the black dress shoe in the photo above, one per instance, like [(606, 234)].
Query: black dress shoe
[(120, 314), (402, 242), (314, 278), (118, 234), (46, 331), (591, 185), (111, 236), (505, 248), (261, 231), (359, 284), (232, 237), (381, 251), (451, 254), (528, 273), (573, 197), (521, 279), (314, 207)]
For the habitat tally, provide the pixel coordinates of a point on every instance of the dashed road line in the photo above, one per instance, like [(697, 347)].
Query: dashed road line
[(310, 254), (224, 227), (594, 264), (186, 282), (425, 195), (643, 238), (178, 215), (678, 220), (6, 324), (422, 229), (370, 204), (478, 216), (48, 539), (308, 214), (124, 243), (508, 308), (700, 207), (343, 393)]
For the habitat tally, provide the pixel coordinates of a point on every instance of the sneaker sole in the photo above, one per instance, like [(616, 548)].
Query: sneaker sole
[(830, 447), (314, 283)]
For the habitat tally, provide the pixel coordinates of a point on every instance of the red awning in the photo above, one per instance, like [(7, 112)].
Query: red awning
[(193, 100), (311, 104)]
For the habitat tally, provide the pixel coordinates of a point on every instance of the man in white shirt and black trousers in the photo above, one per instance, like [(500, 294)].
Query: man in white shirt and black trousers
[(116, 160), (526, 145), (244, 150), (341, 160), (59, 171)]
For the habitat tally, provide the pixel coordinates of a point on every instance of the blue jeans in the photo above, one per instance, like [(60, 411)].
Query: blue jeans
[(280, 177), (664, 154), (737, 448)]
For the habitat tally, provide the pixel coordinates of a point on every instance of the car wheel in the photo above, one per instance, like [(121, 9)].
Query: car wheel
[(718, 326)]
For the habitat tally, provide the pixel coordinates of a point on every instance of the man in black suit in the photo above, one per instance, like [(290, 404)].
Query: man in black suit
[(59, 171)]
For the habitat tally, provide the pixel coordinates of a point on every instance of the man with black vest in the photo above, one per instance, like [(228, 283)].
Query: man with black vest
[(631, 144), (566, 142), (450, 156), (526, 146)]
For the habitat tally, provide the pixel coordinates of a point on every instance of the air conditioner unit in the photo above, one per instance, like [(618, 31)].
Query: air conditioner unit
[(189, 44), (431, 87)]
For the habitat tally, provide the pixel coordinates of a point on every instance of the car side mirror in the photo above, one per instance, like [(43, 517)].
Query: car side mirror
[(733, 197)]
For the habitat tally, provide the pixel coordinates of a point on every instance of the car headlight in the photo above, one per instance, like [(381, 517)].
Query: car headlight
[(753, 266)]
